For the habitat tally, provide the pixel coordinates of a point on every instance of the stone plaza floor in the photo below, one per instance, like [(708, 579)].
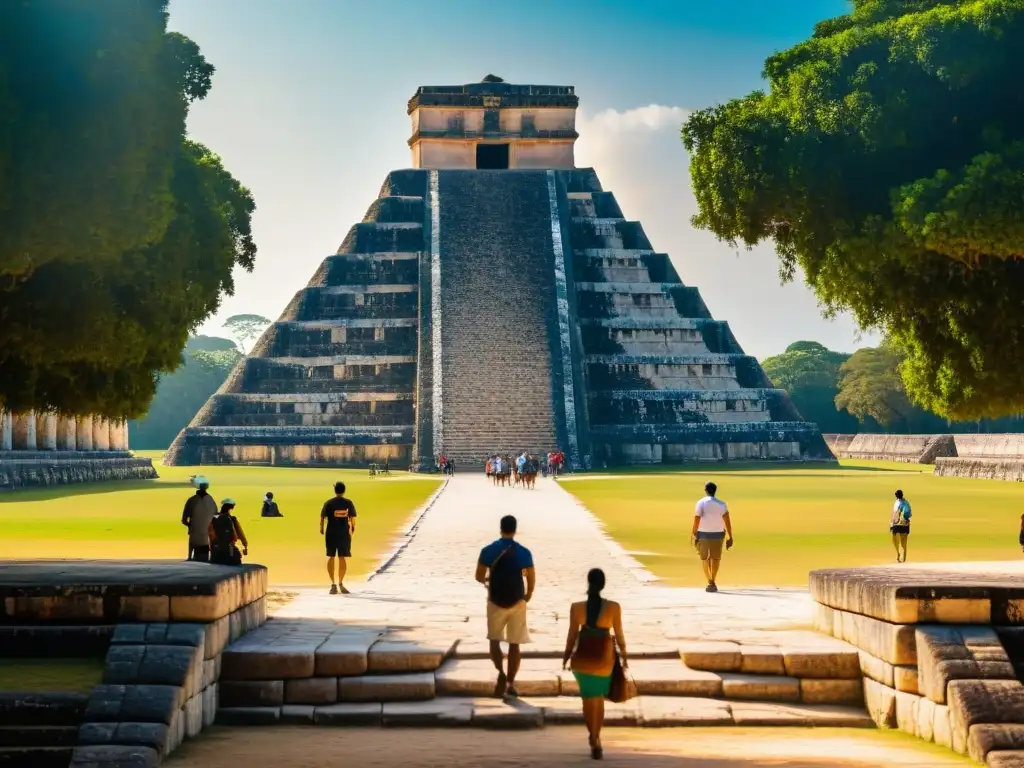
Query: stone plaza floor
[(428, 586)]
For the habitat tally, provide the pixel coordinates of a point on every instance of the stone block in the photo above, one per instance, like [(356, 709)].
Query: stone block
[(144, 608), (122, 664), (942, 732), (758, 713), (248, 715), (668, 677), (133, 703), (880, 702), (41, 709), (982, 702), (711, 656), (193, 635), (407, 655), (985, 738), (926, 719), (667, 711), (966, 653), (471, 677), (311, 690), (172, 665), (348, 714), (106, 756), (217, 636), (434, 713), (906, 679), (129, 634), (831, 691), (1005, 759), (193, 716), (297, 714), (285, 659), (906, 712), (763, 687), (211, 701), (893, 643), (152, 735), (211, 672), (509, 714), (823, 663), (202, 608), (251, 693), (176, 731), (29, 736), (345, 653), (411, 687), (762, 660)]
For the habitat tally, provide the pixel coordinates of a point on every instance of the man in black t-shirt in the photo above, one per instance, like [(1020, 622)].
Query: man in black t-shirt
[(339, 517)]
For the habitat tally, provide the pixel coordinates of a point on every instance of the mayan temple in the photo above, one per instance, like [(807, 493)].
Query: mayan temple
[(495, 298)]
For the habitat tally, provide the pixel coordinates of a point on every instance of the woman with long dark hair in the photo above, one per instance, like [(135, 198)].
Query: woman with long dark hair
[(595, 628)]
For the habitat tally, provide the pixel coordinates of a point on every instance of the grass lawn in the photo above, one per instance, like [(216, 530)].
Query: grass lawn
[(791, 520), (37, 675), (142, 519)]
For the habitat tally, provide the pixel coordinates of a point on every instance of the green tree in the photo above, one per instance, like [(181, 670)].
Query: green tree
[(207, 362), (245, 328), (809, 372), (117, 236), (887, 163), (871, 388)]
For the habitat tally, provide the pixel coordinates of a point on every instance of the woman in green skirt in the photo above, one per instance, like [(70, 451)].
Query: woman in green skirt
[(595, 627)]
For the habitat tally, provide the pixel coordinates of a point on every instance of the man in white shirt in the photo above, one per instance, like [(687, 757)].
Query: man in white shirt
[(711, 527)]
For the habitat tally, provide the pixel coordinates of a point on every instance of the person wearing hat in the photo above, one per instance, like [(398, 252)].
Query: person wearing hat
[(225, 531), (200, 510)]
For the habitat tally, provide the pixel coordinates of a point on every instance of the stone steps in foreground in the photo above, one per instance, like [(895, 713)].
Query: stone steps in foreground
[(537, 677), (825, 658), (643, 711)]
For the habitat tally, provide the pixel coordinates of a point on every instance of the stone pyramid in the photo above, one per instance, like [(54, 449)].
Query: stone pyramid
[(495, 299)]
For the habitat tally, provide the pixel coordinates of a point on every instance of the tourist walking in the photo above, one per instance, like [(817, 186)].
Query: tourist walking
[(337, 525), (503, 566), (595, 628), (711, 527), (270, 506), (199, 511), (225, 532), (899, 526)]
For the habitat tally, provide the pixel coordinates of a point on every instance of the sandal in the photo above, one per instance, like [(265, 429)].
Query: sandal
[(499, 687)]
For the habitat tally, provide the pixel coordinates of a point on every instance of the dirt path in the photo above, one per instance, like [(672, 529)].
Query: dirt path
[(564, 747)]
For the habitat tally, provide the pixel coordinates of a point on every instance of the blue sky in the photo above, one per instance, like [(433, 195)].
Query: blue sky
[(308, 111)]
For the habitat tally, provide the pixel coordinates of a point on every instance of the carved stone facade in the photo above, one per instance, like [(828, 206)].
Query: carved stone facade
[(50, 449), (478, 309)]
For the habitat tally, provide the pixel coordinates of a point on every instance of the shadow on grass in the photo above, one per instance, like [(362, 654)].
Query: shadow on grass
[(8, 496)]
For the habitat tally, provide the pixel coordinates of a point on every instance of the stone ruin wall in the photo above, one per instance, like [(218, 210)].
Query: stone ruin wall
[(43, 449), (983, 456)]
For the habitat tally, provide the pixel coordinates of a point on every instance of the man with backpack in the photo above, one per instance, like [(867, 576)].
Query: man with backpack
[(199, 510), (899, 525), (502, 567)]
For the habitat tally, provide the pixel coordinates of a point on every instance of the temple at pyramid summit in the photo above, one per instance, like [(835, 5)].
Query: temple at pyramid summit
[(495, 299)]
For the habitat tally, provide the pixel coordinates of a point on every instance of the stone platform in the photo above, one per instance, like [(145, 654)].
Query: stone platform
[(161, 627), (97, 591), (941, 649)]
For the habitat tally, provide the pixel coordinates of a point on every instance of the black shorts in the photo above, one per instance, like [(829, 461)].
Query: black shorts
[(339, 546), (905, 529)]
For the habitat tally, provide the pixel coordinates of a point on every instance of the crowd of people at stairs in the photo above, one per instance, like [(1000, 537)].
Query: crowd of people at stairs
[(522, 470)]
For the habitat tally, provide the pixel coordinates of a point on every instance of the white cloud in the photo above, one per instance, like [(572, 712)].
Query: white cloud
[(601, 132)]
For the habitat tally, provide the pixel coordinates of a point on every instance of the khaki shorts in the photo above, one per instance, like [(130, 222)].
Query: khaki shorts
[(507, 624), (710, 549)]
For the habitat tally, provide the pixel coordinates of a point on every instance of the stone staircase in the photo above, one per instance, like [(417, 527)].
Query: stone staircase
[(498, 307), (39, 730), (303, 671)]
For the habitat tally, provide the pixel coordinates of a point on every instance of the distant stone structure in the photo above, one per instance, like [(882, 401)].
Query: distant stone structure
[(495, 298), (914, 449), (50, 449)]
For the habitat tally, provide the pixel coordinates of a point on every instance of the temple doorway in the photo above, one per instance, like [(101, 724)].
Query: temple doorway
[(492, 156)]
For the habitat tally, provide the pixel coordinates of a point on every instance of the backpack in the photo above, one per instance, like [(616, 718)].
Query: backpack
[(224, 531), (505, 587), (905, 512)]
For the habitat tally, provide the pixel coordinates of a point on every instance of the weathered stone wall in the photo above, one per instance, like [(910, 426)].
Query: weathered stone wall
[(22, 469), (988, 457), (915, 449)]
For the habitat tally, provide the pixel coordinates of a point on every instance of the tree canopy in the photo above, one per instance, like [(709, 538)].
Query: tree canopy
[(887, 163), (809, 372), (118, 236), (245, 328)]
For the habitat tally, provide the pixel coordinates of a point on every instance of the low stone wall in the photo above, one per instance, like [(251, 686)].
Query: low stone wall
[(988, 457), (914, 449), (934, 665), (21, 470)]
